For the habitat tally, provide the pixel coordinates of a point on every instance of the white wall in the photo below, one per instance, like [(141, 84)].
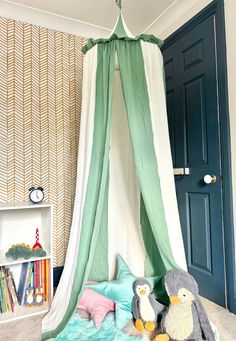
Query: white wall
[(49, 20), (178, 15)]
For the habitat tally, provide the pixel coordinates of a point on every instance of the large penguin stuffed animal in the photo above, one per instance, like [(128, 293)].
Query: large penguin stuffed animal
[(185, 319), (144, 307)]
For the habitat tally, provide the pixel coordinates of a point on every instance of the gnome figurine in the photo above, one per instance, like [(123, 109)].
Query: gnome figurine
[(144, 307), (185, 319)]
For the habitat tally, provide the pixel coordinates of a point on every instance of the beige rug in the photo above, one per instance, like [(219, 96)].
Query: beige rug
[(222, 319), (30, 329)]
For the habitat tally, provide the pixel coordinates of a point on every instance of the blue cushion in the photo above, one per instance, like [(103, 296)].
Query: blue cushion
[(121, 291)]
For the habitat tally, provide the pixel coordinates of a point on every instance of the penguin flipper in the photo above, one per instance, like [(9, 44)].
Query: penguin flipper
[(158, 306), (204, 321), (135, 307)]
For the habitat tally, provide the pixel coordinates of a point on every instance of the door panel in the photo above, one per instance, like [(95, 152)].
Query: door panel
[(199, 233), (195, 121), (192, 105)]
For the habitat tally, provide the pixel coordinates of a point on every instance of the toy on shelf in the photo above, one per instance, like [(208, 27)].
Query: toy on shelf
[(39, 296), (19, 251), (25, 251), (144, 307), (185, 319), (34, 297), (29, 299), (37, 244)]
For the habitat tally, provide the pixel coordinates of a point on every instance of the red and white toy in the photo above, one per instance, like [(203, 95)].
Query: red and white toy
[(37, 244)]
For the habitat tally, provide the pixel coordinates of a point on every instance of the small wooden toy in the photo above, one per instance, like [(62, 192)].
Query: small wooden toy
[(19, 251), (29, 299), (37, 244), (39, 296)]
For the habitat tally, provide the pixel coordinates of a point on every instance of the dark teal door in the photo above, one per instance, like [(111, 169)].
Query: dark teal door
[(192, 104)]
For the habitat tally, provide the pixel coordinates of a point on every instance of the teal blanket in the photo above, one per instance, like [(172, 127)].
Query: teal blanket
[(84, 330)]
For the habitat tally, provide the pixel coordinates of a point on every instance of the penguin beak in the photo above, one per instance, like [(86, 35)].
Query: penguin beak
[(142, 292), (175, 300)]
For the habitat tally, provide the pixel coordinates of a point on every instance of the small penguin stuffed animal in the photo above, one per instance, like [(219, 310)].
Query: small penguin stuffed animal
[(185, 319), (144, 307)]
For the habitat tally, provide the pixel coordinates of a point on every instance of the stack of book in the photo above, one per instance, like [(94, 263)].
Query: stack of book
[(8, 293), (33, 282), (34, 276)]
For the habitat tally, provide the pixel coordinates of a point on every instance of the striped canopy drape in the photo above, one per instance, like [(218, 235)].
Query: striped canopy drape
[(125, 195)]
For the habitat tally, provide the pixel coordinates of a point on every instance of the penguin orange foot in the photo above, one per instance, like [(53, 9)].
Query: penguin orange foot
[(162, 337), (139, 325), (150, 326)]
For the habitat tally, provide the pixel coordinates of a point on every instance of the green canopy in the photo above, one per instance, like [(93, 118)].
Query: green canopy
[(125, 195)]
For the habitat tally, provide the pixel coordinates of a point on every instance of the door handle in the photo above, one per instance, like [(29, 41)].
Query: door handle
[(209, 179)]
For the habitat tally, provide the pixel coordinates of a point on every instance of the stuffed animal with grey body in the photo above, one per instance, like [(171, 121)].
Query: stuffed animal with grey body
[(185, 319), (144, 307)]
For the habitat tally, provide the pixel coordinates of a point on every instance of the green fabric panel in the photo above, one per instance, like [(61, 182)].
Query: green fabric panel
[(145, 37), (95, 201), (119, 30), (154, 265), (139, 118), (98, 273)]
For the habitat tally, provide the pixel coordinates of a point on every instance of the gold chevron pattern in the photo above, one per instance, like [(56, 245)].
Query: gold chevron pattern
[(40, 103)]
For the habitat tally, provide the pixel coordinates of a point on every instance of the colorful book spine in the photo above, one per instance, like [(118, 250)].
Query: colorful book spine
[(1, 294), (34, 275), (5, 293), (42, 275), (46, 280), (11, 287), (28, 280), (22, 283), (8, 297)]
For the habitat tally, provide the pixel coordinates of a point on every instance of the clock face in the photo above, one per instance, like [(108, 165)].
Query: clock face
[(36, 195)]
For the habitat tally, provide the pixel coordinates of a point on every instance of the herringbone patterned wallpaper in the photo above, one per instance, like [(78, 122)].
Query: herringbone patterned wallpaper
[(40, 102)]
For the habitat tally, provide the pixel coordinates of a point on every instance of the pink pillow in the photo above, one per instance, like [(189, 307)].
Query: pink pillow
[(96, 305)]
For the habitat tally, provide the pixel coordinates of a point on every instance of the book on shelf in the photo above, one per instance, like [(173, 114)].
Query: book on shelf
[(33, 276), (8, 295), (27, 282), (46, 268), (12, 287), (22, 282), (41, 276)]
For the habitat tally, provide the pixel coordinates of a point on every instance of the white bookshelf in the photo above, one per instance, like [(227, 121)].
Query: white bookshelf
[(18, 223)]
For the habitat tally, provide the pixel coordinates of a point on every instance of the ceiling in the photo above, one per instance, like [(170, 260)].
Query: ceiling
[(138, 14)]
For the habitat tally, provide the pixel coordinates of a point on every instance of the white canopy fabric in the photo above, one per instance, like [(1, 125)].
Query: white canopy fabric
[(125, 192)]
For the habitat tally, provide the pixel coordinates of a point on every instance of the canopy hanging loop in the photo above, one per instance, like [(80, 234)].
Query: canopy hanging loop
[(118, 3)]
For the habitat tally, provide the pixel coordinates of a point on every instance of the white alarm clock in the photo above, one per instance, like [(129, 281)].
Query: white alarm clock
[(36, 194)]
